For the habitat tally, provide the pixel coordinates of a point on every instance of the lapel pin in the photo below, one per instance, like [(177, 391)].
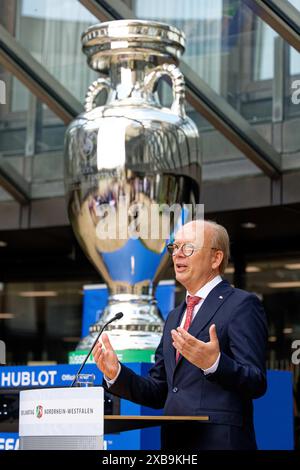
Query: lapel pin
[(220, 296)]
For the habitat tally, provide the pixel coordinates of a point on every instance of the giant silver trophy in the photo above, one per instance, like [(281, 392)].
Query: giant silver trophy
[(125, 158)]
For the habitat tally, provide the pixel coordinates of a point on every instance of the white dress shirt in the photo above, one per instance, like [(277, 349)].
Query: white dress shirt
[(203, 293)]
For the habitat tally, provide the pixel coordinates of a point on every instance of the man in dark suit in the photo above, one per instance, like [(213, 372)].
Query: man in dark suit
[(211, 358)]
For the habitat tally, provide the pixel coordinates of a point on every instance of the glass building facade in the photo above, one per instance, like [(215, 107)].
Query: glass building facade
[(252, 72)]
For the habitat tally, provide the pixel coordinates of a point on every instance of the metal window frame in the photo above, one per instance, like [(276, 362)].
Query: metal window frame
[(107, 10), (282, 16), (13, 182)]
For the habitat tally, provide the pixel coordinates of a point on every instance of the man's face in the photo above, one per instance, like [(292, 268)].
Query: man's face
[(195, 270)]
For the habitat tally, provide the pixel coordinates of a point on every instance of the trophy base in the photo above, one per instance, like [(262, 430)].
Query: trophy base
[(140, 328)]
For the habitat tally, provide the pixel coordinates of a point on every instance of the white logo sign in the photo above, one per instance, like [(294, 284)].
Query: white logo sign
[(61, 411), (296, 93), (296, 354)]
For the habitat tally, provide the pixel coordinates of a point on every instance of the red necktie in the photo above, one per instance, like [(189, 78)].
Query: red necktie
[(192, 301)]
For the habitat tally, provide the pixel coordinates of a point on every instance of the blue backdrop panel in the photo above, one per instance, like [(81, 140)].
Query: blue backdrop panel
[(94, 300), (165, 296), (273, 413)]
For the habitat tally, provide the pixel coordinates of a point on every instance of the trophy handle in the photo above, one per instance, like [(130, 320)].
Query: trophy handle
[(178, 85), (93, 91)]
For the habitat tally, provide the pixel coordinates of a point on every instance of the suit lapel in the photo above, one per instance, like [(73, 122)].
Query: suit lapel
[(208, 309), (210, 306), (173, 323)]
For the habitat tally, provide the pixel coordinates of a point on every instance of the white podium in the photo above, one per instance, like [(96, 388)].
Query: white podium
[(61, 419)]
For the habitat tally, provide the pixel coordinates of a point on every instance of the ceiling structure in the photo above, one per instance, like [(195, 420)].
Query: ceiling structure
[(282, 17)]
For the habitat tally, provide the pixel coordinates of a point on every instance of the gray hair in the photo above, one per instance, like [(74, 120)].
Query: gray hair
[(220, 240)]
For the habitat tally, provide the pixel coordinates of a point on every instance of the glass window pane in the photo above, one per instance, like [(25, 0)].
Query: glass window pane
[(202, 24), (294, 55), (20, 133), (228, 46), (264, 52), (295, 3), (294, 62), (51, 30), (13, 115), (220, 158)]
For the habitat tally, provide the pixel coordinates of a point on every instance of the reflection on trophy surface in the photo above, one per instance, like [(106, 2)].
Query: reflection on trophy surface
[(127, 163)]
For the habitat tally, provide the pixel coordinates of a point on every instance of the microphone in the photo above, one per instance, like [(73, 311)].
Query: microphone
[(116, 317)]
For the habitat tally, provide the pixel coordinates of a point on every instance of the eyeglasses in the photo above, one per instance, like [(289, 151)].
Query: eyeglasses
[(187, 249)]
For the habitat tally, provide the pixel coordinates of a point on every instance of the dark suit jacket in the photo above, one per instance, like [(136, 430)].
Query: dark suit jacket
[(226, 395)]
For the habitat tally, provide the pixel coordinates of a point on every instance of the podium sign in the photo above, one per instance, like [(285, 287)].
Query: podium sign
[(61, 418)]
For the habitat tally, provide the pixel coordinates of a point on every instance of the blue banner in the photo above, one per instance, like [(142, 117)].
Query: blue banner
[(9, 441), (43, 376)]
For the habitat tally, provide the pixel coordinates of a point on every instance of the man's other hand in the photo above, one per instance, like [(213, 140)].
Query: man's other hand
[(106, 358), (199, 353)]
